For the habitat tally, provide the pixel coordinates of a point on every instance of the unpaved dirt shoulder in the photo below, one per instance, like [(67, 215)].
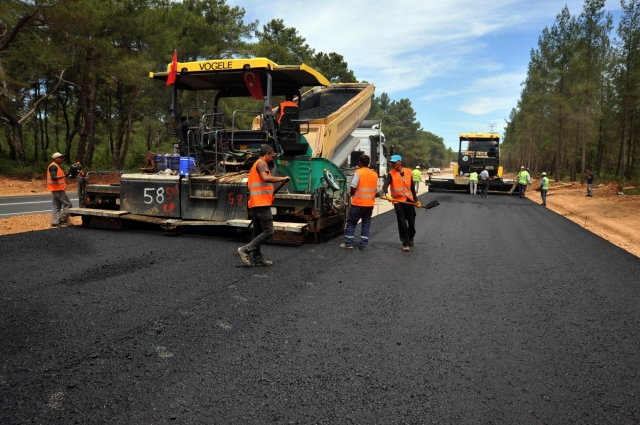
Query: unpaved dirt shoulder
[(611, 216)]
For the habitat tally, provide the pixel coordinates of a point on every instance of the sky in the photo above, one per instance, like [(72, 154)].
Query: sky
[(461, 63)]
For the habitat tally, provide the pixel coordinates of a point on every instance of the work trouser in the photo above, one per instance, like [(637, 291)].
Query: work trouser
[(61, 203), (543, 195), (355, 214), (485, 187), (417, 183), (522, 188), (262, 230), (473, 186), (589, 189), (406, 215)]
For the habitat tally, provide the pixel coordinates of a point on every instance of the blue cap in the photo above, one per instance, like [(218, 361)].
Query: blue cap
[(395, 158)]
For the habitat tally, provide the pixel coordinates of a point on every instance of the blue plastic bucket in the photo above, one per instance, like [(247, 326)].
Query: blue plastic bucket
[(187, 165), (175, 162), (161, 164)]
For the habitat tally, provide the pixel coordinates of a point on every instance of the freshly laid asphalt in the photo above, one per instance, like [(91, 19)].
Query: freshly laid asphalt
[(502, 313)]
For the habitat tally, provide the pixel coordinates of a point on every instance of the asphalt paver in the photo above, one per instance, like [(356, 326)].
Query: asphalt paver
[(502, 312)]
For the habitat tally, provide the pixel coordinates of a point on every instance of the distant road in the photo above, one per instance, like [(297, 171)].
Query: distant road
[(21, 205)]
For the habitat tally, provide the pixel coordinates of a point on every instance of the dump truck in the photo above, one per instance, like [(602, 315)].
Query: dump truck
[(209, 186), (476, 152), (370, 141)]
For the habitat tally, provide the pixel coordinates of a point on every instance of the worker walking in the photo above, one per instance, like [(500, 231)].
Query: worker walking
[(57, 185), (363, 198), (484, 177), (524, 179), (544, 186), (416, 174), (261, 196), (473, 182), (402, 190)]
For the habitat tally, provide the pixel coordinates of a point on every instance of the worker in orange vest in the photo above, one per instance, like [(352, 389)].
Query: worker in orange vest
[(261, 196), (57, 185), (364, 185), (287, 103), (402, 190)]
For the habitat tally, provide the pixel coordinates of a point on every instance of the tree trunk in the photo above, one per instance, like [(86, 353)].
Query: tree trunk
[(88, 95), (127, 142), (9, 137)]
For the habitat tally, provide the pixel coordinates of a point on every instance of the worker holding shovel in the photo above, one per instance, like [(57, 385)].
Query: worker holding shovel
[(404, 198)]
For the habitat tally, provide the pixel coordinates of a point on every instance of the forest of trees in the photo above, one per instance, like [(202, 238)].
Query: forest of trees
[(580, 105), (74, 76)]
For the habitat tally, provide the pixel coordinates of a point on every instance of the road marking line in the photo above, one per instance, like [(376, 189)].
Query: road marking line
[(26, 213), (35, 202)]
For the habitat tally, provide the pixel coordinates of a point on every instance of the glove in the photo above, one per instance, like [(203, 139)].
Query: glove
[(418, 204), (389, 198)]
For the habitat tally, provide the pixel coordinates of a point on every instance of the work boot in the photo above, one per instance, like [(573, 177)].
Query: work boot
[(345, 246), (263, 263), (405, 248), (63, 224), (363, 248), (411, 242), (244, 255)]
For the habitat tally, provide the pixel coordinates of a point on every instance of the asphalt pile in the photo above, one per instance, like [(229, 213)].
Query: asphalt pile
[(321, 111)]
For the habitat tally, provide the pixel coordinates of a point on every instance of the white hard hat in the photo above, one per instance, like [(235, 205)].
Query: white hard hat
[(522, 167), (417, 166), (544, 174), (56, 155)]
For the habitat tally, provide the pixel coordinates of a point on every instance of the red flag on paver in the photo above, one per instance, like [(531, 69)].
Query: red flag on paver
[(252, 81), (171, 78)]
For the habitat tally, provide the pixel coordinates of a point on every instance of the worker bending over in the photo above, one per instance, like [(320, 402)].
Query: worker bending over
[(403, 195), (363, 197)]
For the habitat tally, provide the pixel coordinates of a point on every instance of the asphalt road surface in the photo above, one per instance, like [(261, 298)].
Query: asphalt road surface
[(35, 204), (503, 313)]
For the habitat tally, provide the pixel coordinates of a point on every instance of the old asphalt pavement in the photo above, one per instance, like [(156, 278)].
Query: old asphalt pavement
[(503, 313)]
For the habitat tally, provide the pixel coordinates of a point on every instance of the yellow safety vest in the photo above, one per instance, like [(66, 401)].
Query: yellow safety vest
[(473, 177), (545, 183), (522, 177)]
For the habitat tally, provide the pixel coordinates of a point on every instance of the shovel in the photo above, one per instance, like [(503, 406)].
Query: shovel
[(430, 205)]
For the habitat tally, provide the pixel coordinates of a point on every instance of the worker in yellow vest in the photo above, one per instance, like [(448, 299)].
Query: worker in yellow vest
[(524, 179), (544, 187), (473, 182), (403, 195), (261, 196), (364, 185), (416, 174), (57, 185)]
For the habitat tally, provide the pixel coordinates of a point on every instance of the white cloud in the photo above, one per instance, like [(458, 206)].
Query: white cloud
[(487, 105), (454, 59)]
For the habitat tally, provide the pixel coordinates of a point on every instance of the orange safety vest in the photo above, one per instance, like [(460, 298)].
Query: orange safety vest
[(55, 185), (365, 195), (260, 192), (285, 104), (401, 188)]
